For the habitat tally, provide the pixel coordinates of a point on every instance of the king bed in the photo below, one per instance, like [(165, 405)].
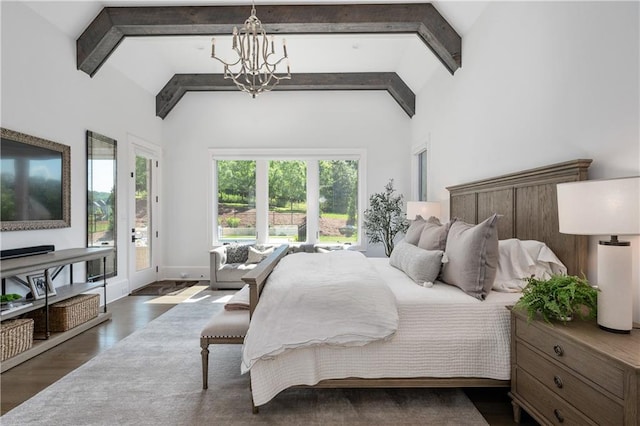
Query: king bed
[(398, 330)]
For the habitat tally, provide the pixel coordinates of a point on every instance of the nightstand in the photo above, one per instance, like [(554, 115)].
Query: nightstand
[(574, 373)]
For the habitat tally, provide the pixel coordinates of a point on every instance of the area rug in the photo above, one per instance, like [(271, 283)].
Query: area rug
[(162, 288), (153, 377)]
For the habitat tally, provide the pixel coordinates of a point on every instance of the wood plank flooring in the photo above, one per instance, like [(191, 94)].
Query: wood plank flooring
[(132, 313)]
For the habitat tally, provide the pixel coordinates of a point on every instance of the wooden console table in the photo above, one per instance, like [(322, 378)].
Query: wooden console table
[(43, 262)]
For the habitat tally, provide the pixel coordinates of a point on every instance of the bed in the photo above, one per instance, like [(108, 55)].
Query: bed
[(459, 341)]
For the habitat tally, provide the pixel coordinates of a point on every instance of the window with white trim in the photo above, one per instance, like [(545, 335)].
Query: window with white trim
[(419, 173), (422, 176), (272, 196)]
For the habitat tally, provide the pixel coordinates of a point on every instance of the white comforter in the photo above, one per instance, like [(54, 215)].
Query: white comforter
[(334, 298), (442, 332)]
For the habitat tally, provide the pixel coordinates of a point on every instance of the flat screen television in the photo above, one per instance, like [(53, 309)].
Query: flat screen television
[(34, 182)]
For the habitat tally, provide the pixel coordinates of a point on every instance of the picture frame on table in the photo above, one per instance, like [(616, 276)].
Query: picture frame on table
[(40, 285)]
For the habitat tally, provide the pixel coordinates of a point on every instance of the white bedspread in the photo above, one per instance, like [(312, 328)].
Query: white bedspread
[(333, 298), (442, 333)]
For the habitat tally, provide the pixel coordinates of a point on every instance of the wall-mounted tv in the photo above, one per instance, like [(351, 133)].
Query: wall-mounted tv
[(34, 183)]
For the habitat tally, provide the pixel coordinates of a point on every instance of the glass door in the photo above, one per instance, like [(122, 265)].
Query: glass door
[(143, 234)]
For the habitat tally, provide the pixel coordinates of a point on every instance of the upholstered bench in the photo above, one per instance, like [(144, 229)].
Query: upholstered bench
[(225, 327)]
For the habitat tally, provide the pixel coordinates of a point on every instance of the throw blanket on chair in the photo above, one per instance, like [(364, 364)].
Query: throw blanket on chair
[(309, 299)]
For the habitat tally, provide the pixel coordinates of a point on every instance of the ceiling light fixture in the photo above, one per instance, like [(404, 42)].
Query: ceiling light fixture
[(254, 71)]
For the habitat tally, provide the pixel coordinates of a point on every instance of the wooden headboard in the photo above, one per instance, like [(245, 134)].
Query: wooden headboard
[(528, 204)]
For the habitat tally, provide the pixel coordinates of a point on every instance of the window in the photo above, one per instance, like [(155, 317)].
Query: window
[(419, 161), (338, 200), (422, 176), (236, 200), (287, 200), (270, 196)]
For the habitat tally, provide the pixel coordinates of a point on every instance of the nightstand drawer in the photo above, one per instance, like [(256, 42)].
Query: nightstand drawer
[(561, 381), (554, 409), (571, 355)]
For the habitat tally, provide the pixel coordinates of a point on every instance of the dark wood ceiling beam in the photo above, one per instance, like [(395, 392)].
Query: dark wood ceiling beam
[(113, 24), (180, 84)]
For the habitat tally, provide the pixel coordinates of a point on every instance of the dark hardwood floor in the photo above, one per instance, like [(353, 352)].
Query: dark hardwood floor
[(130, 314)]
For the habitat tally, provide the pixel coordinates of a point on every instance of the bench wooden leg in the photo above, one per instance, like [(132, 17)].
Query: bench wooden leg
[(205, 363)]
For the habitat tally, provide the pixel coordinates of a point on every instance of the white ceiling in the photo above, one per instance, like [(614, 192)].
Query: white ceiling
[(152, 61)]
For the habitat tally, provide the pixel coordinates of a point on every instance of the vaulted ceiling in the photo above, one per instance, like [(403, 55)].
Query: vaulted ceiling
[(336, 39)]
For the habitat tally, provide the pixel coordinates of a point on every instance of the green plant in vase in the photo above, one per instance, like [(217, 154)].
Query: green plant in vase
[(5, 298), (560, 297), (384, 218)]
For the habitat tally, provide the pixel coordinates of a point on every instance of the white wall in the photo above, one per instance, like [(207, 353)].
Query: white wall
[(541, 82), (44, 95), (332, 119)]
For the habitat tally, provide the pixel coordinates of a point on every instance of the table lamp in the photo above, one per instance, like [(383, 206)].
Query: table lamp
[(606, 207), (426, 209)]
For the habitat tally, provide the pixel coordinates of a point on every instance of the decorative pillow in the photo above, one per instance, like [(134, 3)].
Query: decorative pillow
[(422, 266), (546, 261), (412, 236), (514, 265), (434, 234), (472, 253), (519, 259), (237, 253), (256, 256)]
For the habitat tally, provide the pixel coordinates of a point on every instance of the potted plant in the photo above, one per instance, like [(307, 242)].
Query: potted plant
[(384, 219), (560, 297)]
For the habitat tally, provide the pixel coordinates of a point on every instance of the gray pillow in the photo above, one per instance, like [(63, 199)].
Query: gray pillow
[(420, 265), (434, 235), (412, 236), (237, 253), (472, 253)]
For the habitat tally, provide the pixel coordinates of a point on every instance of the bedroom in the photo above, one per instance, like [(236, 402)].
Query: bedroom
[(538, 85)]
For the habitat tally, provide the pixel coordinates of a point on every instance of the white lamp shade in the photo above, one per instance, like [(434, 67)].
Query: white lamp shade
[(426, 209), (600, 207)]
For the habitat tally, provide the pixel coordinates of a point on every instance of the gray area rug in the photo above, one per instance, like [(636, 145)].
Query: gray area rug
[(153, 377)]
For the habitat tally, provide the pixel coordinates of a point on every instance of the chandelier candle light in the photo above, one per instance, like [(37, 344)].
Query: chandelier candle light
[(254, 71)]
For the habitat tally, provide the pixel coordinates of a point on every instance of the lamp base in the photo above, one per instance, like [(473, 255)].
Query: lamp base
[(613, 330), (615, 298)]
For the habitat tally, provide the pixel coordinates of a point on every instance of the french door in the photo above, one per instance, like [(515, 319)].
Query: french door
[(143, 214)]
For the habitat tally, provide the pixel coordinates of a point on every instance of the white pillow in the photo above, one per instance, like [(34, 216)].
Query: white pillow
[(521, 259), (514, 265), (256, 256), (422, 266), (546, 261)]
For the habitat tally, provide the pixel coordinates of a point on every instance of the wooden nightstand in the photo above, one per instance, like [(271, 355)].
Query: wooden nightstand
[(574, 373)]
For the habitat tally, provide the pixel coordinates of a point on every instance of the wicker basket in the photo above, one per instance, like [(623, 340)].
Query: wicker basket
[(16, 336), (68, 314)]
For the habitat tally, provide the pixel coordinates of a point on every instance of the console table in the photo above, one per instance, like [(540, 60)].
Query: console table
[(43, 262)]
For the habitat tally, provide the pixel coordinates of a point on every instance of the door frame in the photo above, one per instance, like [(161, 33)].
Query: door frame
[(138, 146)]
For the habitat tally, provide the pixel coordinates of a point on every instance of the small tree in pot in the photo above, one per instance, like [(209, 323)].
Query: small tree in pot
[(384, 219)]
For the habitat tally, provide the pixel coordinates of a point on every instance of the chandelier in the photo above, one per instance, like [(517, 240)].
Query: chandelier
[(254, 71)]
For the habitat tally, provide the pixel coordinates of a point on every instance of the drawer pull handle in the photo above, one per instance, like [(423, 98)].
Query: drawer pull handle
[(558, 415), (558, 381), (558, 350)]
